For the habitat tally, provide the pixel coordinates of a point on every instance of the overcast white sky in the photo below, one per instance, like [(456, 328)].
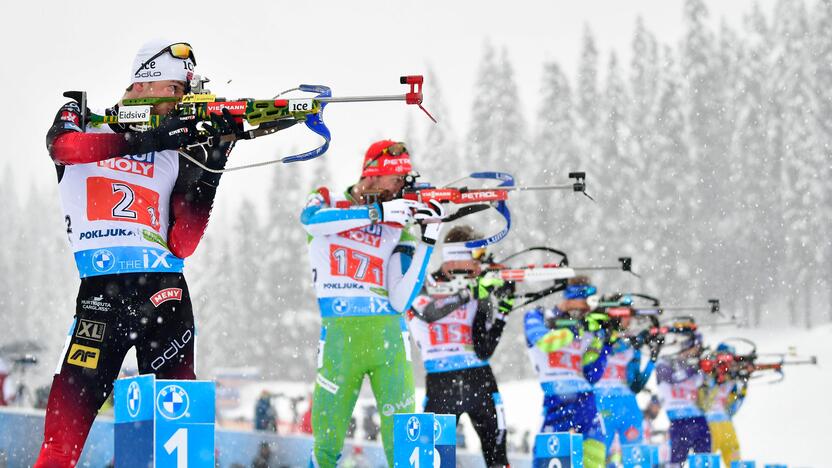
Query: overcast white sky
[(264, 47)]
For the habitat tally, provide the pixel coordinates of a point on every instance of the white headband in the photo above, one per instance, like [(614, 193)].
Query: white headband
[(456, 252), (162, 68)]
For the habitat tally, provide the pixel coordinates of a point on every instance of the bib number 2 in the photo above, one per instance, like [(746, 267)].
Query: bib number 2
[(117, 200)]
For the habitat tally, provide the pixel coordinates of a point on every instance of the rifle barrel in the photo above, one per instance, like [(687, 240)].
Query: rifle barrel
[(523, 188), (389, 97), (598, 268)]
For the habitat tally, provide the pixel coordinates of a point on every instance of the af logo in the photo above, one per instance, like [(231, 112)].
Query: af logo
[(172, 402), (83, 356), (413, 428), (103, 260), (553, 445), (134, 399)]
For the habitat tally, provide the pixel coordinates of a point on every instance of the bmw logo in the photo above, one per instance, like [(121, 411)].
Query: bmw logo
[(636, 452), (437, 430), (172, 402), (103, 260), (134, 399), (553, 444), (340, 306), (413, 428)]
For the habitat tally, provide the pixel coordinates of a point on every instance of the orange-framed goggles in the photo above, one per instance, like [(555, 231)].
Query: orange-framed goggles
[(385, 158), (180, 50), (478, 253), (396, 149)]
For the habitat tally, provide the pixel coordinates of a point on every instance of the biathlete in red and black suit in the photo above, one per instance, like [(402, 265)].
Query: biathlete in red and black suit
[(133, 211)]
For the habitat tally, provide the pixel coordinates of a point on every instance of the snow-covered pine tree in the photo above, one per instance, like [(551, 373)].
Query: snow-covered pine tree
[(480, 138), (587, 216), (554, 144), (793, 96), (641, 166), (754, 174), (821, 60), (671, 173), (437, 158), (246, 341), (291, 312), (618, 172), (702, 114), (728, 271)]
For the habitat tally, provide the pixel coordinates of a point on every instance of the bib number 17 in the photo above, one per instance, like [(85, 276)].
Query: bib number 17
[(357, 265)]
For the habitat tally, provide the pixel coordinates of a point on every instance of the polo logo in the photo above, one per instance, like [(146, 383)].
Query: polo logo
[(169, 294), (90, 330), (83, 356)]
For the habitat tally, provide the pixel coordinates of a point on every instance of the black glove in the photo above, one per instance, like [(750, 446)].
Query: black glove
[(654, 342), (175, 131), (217, 150)]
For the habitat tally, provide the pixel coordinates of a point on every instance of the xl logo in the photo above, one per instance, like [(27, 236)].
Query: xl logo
[(83, 356), (90, 330)]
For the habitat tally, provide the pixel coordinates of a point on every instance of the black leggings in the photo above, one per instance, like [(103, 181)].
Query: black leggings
[(473, 391), (151, 311)]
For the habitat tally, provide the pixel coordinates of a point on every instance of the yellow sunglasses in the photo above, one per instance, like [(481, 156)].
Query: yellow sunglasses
[(180, 50)]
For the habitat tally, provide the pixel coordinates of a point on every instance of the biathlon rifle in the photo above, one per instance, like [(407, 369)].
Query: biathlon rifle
[(726, 365), (474, 200), (555, 272), (622, 307), (261, 116)]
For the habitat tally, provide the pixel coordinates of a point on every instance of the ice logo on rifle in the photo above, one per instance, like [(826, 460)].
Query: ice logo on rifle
[(413, 428), (103, 260), (134, 399), (172, 402), (553, 445)]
